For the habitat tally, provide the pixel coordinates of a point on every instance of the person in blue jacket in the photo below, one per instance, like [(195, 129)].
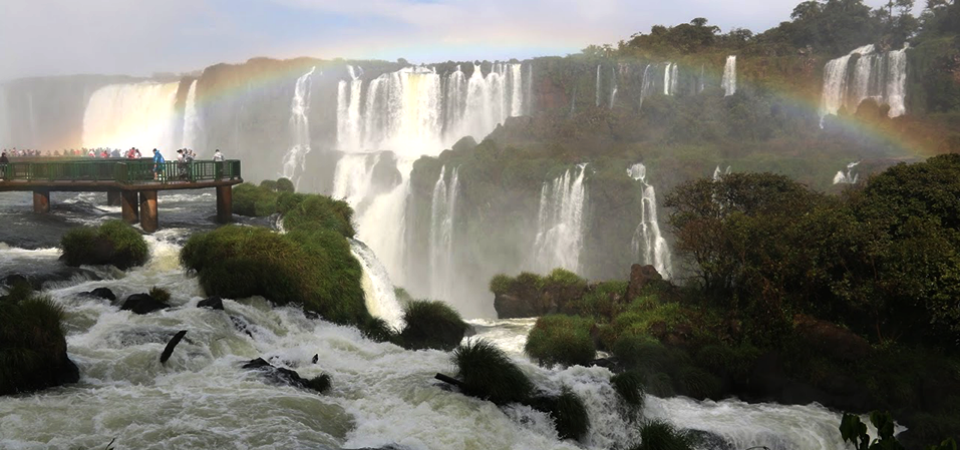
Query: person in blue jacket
[(157, 164)]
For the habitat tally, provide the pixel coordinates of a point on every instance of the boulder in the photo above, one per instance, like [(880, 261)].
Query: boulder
[(212, 303), (830, 340), (142, 304), (640, 277), (103, 293)]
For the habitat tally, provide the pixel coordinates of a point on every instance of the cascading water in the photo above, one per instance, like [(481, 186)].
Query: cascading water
[(877, 76), (648, 242), (559, 238), (671, 73), (5, 138), (849, 177), (648, 85), (442, 220), (615, 88), (138, 115), (348, 110), (191, 120), (353, 178), (299, 129), (729, 81), (701, 84), (377, 288)]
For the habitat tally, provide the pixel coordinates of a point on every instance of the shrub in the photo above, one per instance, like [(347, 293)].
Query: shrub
[(312, 268), (634, 351), (500, 284), (33, 350), (487, 373), (285, 185), (629, 387), (569, 414), (431, 325), (602, 301), (269, 185), (563, 278), (113, 243), (319, 383), (160, 295), (378, 330), (558, 339), (316, 212), (254, 201), (660, 435)]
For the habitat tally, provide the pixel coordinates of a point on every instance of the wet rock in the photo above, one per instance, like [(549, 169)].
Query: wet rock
[(280, 375), (640, 277), (103, 293), (142, 304), (711, 441), (215, 303), (168, 350), (15, 279)]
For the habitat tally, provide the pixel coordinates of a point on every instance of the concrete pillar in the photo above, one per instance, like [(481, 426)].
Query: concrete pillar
[(148, 211), (224, 204), (113, 198), (130, 205), (41, 202)]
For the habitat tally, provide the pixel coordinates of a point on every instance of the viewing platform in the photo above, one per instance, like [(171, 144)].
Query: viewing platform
[(130, 183)]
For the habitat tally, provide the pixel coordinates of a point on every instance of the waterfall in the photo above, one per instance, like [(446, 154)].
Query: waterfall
[(455, 95), (613, 91), (729, 81), (348, 110), (877, 76), (702, 82), (191, 120), (718, 174), (442, 220), (353, 178), (299, 128), (895, 88), (849, 177), (648, 242), (138, 115), (648, 85), (559, 238), (5, 138), (598, 85), (377, 288), (671, 73), (383, 224)]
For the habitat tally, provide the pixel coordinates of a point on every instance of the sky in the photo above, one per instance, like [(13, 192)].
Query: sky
[(144, 37)]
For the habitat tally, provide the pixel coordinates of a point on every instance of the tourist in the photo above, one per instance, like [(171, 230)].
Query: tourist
[(138, 153), (158, 163), (3, 165), (217, 156)]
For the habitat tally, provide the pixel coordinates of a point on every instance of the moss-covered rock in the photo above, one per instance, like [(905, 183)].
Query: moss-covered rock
[(660, 435), (530, 295), (254, 201), (315, 212), (313, 268), (431, 325), (33, 350), (569, 414), (559, 339), (113, 243)]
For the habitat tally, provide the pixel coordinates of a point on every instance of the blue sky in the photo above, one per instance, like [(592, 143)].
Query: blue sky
[(141, 37)]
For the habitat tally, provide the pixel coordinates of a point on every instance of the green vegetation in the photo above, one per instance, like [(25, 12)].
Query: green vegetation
[(488, 373), (431, 325), (261, 201), (159, 294), (311, 265), (660, 435), (568, 412), (629, 387), (113, 243), (559, 339), (320, 383), (33, 350)]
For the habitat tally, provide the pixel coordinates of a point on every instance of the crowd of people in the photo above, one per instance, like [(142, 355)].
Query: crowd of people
[(184, 156)]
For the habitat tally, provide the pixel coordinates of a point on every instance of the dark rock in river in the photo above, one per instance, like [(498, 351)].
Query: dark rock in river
[(103, 293), (212, 303), (142, 304), (282, 375)]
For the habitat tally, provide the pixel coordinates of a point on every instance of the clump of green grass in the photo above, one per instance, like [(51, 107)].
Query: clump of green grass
[(431, 325), (112, 243), (559, 339), (569, 414), (33, 349), (629, 387), (486, 372), (159, 294), (660, 435)]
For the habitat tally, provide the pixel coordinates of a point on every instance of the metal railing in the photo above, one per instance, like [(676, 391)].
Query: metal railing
[(126, 171)]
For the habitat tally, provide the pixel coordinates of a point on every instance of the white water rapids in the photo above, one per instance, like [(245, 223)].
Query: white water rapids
[(381, 393)]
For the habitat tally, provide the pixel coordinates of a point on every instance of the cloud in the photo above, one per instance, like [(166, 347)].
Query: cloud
[(49, 37)]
